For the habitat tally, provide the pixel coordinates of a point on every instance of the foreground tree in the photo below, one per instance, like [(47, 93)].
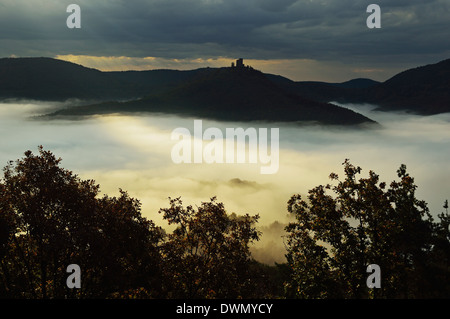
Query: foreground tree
[(336, 236), (207, 255), (50, 218), (437, 279)]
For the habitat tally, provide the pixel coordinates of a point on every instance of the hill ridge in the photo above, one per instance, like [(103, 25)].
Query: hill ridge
[(423, 90), (231, 94)]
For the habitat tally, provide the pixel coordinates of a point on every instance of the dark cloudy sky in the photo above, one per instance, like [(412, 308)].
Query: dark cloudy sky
[(304, 39)]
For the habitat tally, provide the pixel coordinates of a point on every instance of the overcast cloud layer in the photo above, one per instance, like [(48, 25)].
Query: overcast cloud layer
[(414, 32)]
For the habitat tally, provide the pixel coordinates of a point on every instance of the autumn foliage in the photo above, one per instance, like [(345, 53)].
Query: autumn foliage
[(341, 229), (51, 218)]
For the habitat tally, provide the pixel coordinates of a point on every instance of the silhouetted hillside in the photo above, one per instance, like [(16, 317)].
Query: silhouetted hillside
[(225, 93), (232, 94), (359, 83), (423, 90), (55, 80), (345, 92), (49, 79)]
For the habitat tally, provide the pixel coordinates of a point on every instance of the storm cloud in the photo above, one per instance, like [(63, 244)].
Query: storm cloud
[(413, 32)]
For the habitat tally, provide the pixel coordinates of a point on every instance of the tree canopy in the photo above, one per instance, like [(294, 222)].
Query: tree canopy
[(50, 218), (363, 222), (208, 246), (53, 219)]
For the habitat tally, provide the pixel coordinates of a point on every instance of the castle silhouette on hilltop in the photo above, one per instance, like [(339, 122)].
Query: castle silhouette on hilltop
[(239, 64)]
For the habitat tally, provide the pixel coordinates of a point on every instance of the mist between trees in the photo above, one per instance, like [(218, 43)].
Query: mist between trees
[(50, 218)]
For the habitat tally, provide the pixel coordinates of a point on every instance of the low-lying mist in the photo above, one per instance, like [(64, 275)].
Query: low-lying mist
[(134, 153)]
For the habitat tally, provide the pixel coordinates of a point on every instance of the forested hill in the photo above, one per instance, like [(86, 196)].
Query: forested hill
[(423, 90), (217, 93), (56, 80), (232, 94)]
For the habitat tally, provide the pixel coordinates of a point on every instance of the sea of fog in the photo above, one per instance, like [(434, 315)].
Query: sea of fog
[(134, 153)]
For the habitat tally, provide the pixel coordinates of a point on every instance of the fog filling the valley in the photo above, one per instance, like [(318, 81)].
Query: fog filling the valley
[(134, 153)]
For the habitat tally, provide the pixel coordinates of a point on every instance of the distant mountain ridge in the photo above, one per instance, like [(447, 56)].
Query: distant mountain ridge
[(360, 83), (222, 93), (423, 90), (230, 94), (56, 80)]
